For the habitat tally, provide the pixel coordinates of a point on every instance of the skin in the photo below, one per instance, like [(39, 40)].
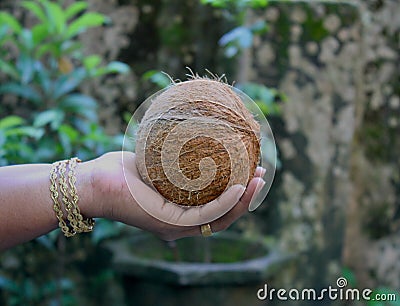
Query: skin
[(26, 209)]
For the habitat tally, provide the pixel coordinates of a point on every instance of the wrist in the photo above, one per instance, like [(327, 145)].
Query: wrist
[(88, 203), (107, 185)]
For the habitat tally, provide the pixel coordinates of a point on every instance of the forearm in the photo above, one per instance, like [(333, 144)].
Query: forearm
[(26, 208)]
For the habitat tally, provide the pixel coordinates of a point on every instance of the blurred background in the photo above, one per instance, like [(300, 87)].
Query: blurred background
[(325, 74)]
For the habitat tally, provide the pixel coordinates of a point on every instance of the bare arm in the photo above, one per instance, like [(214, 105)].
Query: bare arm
[(26, 209)]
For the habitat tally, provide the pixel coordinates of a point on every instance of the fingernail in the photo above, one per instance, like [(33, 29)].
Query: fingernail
[(260, 185), (254, 203), (263, 171)]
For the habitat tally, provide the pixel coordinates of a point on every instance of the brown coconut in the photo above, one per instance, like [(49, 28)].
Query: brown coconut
[(184, 128)]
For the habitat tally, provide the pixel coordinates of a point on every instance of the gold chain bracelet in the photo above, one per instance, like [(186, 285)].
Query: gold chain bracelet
[(56, 206), (76, 223), (81, 224)]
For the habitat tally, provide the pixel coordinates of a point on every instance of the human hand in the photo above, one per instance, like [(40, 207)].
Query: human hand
[(123, 196)]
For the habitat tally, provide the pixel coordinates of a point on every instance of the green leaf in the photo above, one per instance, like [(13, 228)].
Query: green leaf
[(35, 9), (350, 276), (23, 91), (70, 46), (238, 3), (4, 33), (25, 65), (231, 51), (9, 69), (259, 27), (118, 67), (264, 97), (54, 117), (46, 242), (65, 140), (105, 229), (45, 152), (69, 131), (47, 48), (39, 33), (259, 3), (8, 285), (28, 288), (11, 21), (91, 61), (157, 77), (75, 8), (2, 142), (56, 16), (216, 3), (240, 35), (11, 121), (80, 104), (67, 83), (85, 21), (43, 79), (25, 131), (26, 40), (113, 67), (78, 101)]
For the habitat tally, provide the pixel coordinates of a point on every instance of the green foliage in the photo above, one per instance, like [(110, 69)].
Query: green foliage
[(241, 37), (349, 275), (266, 98), (106, 229), (238, 3), (28, 292), (158, 78), (44, 66), (13, 130), (53, 271)]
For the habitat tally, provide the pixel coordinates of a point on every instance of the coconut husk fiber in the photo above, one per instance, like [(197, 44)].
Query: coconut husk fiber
[(195, 140)]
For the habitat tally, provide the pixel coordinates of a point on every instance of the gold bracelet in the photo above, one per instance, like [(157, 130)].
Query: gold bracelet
[(81, 224), (70, 199), (56, 206)]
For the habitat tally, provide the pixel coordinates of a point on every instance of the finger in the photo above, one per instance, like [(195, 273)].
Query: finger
[(170, 213), (205, 213), (225, 221), (221, 205), (252, 190), (254, 201), (145, 196), (241, 207)]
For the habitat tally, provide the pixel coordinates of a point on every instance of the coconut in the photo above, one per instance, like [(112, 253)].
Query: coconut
[(196, 140)]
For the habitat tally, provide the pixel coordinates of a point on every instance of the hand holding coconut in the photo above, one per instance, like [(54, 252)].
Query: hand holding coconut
[(196, 145), (120, 202)]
